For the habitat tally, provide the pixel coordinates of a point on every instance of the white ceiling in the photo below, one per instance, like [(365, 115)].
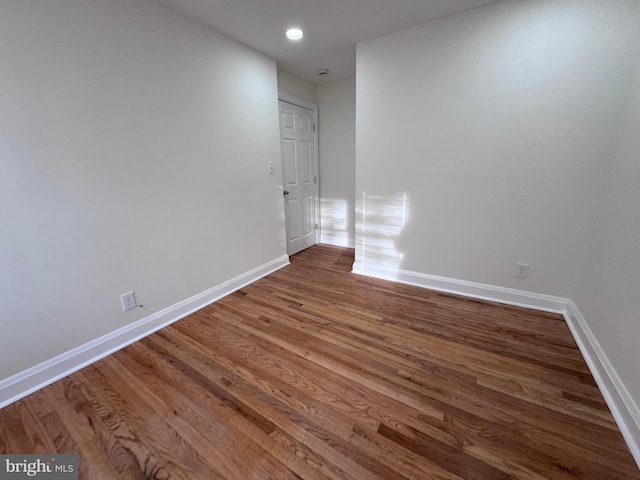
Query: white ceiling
[(331, 27)]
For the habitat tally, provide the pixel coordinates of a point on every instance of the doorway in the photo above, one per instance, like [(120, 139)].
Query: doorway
[(298, 146)]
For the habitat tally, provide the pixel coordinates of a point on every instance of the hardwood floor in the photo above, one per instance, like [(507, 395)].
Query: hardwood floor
[(313, 372)]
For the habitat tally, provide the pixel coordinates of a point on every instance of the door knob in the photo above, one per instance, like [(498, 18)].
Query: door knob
[(286, 192)]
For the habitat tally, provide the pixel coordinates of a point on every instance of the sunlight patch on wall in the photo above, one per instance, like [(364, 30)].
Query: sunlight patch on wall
[(381, 221), (335, 222)]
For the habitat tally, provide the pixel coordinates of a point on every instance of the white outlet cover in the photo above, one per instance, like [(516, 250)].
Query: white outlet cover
[(128, 301), (522, 269), (270, 168)]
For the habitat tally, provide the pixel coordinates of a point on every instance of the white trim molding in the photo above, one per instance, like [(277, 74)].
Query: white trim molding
[(297, 101), (28, 381), (623, 407), (509, 296)]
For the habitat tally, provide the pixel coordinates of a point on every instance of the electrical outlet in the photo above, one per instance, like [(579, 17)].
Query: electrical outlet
[(270, 168), (128, 301), (522, 269)]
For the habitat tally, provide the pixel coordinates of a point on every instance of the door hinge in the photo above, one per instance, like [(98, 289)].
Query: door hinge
[(315, 179), (314, 127), (316, 226)]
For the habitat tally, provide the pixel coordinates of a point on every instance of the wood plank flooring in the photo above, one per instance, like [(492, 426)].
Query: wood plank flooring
[(314, 373)]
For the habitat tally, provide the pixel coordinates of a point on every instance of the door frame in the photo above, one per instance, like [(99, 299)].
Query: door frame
[(314, 108)]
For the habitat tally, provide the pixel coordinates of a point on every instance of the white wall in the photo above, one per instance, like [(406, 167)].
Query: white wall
[(296, 87), (503, 135), (125, 165), (608, 294), (337, 120)]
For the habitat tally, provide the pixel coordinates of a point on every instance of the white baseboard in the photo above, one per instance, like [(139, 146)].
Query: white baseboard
[(510, 296), (28, 381), (622, 405)]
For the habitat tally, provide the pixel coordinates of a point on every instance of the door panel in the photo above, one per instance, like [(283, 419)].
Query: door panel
[(288, 121), (304, 124), (289, 161), (292, 214), (299, 165), (305, 161)]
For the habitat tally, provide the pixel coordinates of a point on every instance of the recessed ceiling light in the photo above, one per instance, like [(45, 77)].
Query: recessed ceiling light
[(294, 34)]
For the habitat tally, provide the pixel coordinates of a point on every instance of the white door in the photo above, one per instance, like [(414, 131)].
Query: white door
[(299, 176)]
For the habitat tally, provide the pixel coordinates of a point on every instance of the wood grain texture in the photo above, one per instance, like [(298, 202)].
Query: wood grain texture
[(315, 373)]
